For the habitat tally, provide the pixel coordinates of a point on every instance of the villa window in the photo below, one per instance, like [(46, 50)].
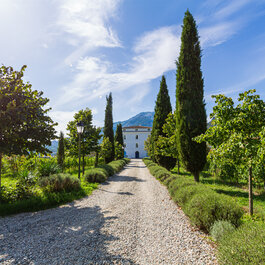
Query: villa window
[(124, 137), (136, 145), (136, 130), (136, 137)]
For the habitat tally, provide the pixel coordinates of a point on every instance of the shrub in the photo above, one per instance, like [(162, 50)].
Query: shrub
[(98, 175), (244, 246), (220, 229), (60, 182), (47, 167), (186, 192), (102, 172), (207, 207)]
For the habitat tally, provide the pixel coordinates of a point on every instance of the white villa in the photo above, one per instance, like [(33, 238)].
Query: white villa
[(134, 137)]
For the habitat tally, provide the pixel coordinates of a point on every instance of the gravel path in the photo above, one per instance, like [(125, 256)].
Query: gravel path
[(129, 220)]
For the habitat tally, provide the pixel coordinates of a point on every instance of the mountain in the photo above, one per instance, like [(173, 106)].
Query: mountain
[(141, 119)]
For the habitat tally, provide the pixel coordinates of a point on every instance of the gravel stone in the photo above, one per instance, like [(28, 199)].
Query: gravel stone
[(130, 219)]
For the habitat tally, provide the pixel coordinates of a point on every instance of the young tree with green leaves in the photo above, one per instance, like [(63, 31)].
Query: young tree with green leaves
[(162, 109), (24, 124), (60, 152), (108, 128), (190, 106), (167, 144), (105, 150), (90, 136), (237, 135)]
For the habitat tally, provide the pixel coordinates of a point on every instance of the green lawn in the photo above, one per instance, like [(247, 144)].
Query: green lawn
[(240, 194)]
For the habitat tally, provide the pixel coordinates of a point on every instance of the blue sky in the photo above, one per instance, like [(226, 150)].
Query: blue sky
[(77, 51)]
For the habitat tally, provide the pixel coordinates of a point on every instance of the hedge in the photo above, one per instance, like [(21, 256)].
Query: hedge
[(102, 172), (244, 246)]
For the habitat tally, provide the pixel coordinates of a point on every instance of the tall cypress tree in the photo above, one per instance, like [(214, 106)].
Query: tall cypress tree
[(60, 151), (190, 106), (108, 127), (118, 134), (162, 109)]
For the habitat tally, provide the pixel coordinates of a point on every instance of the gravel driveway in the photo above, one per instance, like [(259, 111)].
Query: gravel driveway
[(129, 220)]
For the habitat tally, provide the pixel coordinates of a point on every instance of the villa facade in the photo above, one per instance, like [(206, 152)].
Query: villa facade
[(134, 138)]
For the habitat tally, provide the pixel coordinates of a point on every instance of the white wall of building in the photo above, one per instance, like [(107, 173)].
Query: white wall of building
[(132, 144)]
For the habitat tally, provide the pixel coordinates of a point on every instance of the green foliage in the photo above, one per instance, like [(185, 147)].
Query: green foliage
[(119, 135), (47, 167), (245, 246), (24, 124), (60, 152), (162, 109), (108, 129), (89, 138), (119, 151), (102, 172), (106, 149), (190, 107), (98, 175), (206, 208), (60, 182), (220, 229), (236, 136)]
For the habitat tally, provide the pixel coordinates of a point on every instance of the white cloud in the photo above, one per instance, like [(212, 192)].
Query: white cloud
[(217, 34), (87, 23), (62, 118), (155, 54)]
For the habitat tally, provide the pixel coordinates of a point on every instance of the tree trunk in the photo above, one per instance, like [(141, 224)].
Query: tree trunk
[(0, 173), (196, 176), (178, 166), (83, 169), (250, 193), (96, 159), (264, 185)]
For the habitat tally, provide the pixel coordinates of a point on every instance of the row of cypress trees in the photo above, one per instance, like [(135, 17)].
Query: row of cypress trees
[(190, 106)]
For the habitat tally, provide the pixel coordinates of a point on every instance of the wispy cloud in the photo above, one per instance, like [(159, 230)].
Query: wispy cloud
[(155, 53), (88, 26)]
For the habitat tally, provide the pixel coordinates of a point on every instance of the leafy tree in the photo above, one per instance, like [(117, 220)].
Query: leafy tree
[(108, 127), (238, 134), (162, 109), (147, 146), (190, 107), (24, 124), (119, 135), (105, 150), (90, 136), (119, 151), (167, 144), (60, 152)]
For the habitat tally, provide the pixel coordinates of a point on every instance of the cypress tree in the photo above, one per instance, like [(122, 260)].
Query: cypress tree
[(190, 106), (162, 109), (108, 127), (60, 151), (118, 135)]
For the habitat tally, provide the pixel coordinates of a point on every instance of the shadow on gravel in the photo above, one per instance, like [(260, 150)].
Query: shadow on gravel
[(67, 235), (126, 178), (120, 193)]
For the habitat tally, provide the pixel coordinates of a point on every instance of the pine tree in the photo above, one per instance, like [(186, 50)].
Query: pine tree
[(60, 151), (162, 109), (190, 106), (118, 134), (108, 128)]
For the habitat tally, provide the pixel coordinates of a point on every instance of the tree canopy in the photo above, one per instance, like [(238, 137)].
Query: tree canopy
[(108, 127), (190, 107), (237, 134)]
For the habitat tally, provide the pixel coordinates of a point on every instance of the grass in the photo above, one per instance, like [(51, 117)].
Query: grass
[(238, 192)]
